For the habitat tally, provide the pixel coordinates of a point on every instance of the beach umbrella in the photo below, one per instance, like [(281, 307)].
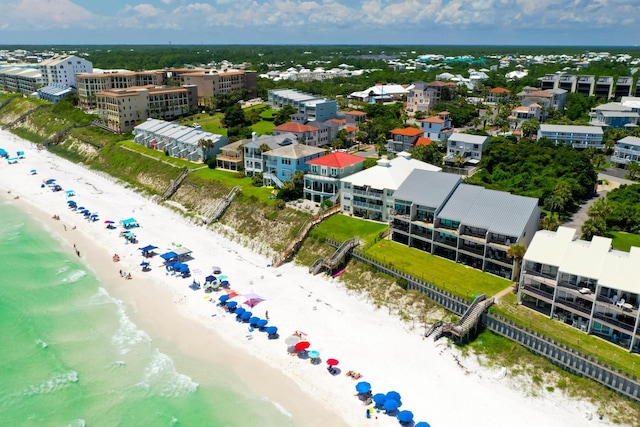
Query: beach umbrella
[(393, 395), (222, 277), (252, 299), (246, 315), (405, 416), (379, 398), (262, 323), (50, 181), (216, 269), (210, 279), (144, 264), (314, 354), (108, 222), (240, 311), (232, 304), (223, 298), (422, 424), (292, 340), (254, 321), (363, 387), (390, 405), (272, 330), (332, 362), (302, 345), (33, 172), (71, 202)]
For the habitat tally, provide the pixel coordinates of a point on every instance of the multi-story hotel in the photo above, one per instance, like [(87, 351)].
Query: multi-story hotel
[(90, 84), (62, 70), (587, 285), (121, 109), (211, 83), (436, 213), (17, 79)]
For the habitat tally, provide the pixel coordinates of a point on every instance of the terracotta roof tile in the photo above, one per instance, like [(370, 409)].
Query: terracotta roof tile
[(336, 160), (407, 131), (295, 127), (433, 119), (499, 90), (423, 141)]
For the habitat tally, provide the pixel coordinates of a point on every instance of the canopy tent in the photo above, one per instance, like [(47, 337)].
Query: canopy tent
[(148, 248), (182, 252), (246, 316), (252, 299), (129, 223), (169, 255), (3, 153), (70, 193)]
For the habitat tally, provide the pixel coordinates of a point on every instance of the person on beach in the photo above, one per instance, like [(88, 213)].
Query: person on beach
[(74, 227), (121, 274), (128, 276), (266, 314)]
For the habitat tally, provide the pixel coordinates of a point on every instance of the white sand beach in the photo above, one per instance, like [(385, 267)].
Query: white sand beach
[(436, 382)]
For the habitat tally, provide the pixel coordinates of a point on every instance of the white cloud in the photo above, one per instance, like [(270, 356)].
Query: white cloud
[(147, 10), (43, 14)]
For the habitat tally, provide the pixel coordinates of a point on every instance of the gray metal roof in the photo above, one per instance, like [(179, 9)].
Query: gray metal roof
[(427, 188), (631, 140), (572, 129), (273, 141), (497, 211)]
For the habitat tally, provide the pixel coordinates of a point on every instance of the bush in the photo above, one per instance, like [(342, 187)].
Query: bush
[(211, 162), (402, 283), (257, 180), (281, 204)]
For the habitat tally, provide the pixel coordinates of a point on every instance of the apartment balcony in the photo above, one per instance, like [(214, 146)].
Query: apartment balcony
[(537, 293), (608, 320), (574, 307), (500, 259), (451, 242), (397, 224), (541, 277), (425, 234), (366, 205), (581, 291), (474, 238), (476, 250), (367, 194)]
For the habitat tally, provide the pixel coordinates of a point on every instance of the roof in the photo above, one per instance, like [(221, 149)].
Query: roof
[(427, 188), (612, 106), (607, 113), (294, 151), (571, 129), (631, 140), (497, 211), (295, 127), (539, 94), (407, 131), (433, 119), (272, 141), (337, 160), (356, 113), (468, 138), (423, 141), (389, 174), (499, 90)]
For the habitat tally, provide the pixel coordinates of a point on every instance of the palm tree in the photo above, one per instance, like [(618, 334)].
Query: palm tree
[(516, 252), (601, 209), (263, 148), (633, 168), (593, 227), (554, 203), (459, 161), (550, 223), (598, 160)]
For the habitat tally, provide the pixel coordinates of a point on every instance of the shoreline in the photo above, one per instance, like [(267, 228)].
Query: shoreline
[(388, 353)]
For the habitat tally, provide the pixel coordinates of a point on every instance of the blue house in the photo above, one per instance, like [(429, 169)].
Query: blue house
[(281, 163), (614, 115)]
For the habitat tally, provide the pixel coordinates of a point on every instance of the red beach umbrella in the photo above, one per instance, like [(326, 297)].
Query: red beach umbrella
[(332, 362), (302, 345)]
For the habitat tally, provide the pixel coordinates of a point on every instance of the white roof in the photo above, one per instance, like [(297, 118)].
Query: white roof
[(594, 260), (572, 129), (380, 90), (389, 174), (631, 140), (468, 138)]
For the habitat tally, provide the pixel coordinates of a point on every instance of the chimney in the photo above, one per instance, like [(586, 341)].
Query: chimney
[(254, 136)]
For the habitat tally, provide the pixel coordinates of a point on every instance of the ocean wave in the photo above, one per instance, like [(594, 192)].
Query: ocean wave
[(52, 385), (162, 379), (280, 408), (41, 343), (77, 423), (128, 333), (9, 232), (101, 297), (74, 276)]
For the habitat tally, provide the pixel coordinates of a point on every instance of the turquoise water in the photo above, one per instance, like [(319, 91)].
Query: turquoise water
[(70, 356)]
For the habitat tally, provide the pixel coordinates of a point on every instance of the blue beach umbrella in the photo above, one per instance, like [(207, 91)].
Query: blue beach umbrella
[(232, 304), (223, 298), (393, 395), (144, 264), (222, 277), (422, 424), (254, 321), (262, 323), (271, 330), (363, 387), (390, 405), (240, 311), (71, 202), (314, 354), (405, 416), (246, 315), (379, 398)]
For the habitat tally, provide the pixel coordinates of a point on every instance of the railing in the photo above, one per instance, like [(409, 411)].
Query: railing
[(573, 305), (273, 178), (472, 249), (368, 194), (223, 205), (613, 322), (538, 291), (366, 205), (336, 258), (23, 117), (175, 184)]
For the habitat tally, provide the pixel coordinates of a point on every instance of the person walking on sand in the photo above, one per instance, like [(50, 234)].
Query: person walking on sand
[(266, 314)]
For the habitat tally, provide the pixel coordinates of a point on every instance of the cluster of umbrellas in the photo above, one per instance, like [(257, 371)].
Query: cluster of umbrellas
[(246, 316)]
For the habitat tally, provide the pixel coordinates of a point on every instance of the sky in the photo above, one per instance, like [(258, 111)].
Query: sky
[(420, 22)]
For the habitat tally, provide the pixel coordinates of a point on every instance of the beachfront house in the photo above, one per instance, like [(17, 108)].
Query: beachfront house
[(465, 147), (231, 157), (438, 127), (626, 150), (177, 140), (281, 163), (576, 136), (254, 148), (322, 182), (436, 213), (614, 115), (403, 139), (316, 135), (587, 285), (369, 193)]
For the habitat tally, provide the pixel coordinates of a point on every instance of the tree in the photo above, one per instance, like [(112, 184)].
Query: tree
[(368, 163), (234, 117), (459, 161), (554, 203), (530, 127), (633, 168), (264, 148), (598, 160), (593, 227), (428, 153), (601, 209), (516, 252), (550, 223), (284, 115)]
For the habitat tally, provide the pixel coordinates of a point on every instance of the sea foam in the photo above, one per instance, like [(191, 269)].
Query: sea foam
[(53, 384), (162, 379)]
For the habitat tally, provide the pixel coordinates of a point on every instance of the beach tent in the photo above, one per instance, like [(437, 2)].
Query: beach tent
[(34, 172), (147, 251), (3, 153), (20, 154), (70, 193), (252, 299), (169, 255), (182, 253), (129, 223), (12, 160)]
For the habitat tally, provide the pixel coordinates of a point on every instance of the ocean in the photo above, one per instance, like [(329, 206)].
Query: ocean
[(70, 355)]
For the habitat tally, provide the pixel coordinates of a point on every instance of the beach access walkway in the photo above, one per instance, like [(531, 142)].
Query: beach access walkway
[(468, 322), (330, 264), (223, 205)]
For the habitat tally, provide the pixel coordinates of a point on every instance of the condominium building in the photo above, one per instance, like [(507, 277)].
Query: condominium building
[(466, 146), (323, 180), (212, 83), (369, 193), (604, 87), (63, 69), (17, 79), (626, 150), (55, 92), (623, 87), (586, 85), (121, 109), (576, 136), (436, 213), (177, 140), (587, 285), (498, 94), (314, 108), (89, 84)]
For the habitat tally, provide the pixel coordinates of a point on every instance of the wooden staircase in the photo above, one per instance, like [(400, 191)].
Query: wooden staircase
[(223, 205), (174, 185), (469, 320), (334, 261)]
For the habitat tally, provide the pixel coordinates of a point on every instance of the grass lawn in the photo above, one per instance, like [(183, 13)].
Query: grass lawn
[(268, 114), (159, 155), (263, 127), (341, 227), (623, 241), (455, 278), (231, 179)]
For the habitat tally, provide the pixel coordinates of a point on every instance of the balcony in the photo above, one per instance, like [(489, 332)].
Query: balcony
[(452, 242), (400, 225), (538, 293), (614, 323), (368, 194), (547, 279), (574, 306), (477, 250), (424, 233), (365, 205), (501, 259)]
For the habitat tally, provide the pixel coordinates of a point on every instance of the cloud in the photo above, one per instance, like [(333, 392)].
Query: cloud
[(44, 14)]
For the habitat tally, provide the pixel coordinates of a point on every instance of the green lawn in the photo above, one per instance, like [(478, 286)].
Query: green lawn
[(263, 127), (231, 179), (623, 241), (159, 155), (341, 227), (455, 278)]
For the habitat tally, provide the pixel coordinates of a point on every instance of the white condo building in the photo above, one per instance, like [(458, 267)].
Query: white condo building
[(63, 69)]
